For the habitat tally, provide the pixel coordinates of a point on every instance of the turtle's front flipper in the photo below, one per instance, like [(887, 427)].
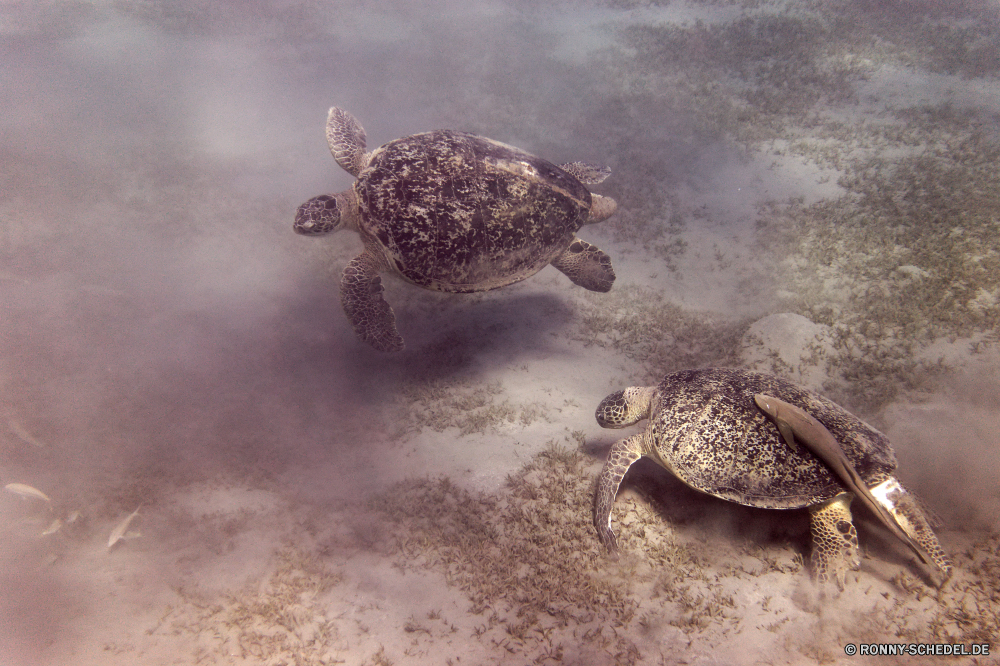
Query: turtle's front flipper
[(361, 295), (588, 174), (586, 265), (346, 138), (835, 541), (622, 455)]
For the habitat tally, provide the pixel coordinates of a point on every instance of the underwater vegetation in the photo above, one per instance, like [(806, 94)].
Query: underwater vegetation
[(533, 569), (527, 558), (908, 252), (640, 324), (907, 255), (467, 406), (282, 615), (235, 369)]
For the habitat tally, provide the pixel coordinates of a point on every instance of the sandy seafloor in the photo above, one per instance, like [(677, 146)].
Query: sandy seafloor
[(809, 189)]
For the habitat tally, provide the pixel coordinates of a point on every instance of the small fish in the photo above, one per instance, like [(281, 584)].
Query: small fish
[(72, 517), (23, 434), (119, 531), (25, 490), (53, 528)]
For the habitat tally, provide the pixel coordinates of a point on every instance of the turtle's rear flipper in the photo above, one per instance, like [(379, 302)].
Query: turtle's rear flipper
[(361, 295), (601, 208), (834, 540), (906, 510), (586, 265)]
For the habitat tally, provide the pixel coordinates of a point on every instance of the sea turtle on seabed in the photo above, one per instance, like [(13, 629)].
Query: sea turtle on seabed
[(730, 433), (454, 212)]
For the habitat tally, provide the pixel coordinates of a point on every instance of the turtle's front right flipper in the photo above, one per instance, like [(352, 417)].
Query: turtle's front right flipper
[(622, 455), (361, 295), (588, 174)]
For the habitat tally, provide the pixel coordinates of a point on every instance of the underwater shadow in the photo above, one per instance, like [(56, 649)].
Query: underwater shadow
[(448, 336)]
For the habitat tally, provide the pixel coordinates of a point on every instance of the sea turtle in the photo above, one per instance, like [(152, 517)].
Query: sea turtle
[(454, 212), (707, 428)]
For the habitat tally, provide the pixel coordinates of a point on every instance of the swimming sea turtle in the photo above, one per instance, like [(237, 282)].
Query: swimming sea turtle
[(706, 428), (455, 212)]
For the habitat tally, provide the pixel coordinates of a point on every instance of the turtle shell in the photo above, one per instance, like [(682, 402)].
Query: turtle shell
[(707, 430), (459, 212)]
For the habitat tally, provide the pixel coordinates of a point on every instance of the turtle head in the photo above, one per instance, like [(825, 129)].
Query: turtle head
[(321, 215), (625, 408)]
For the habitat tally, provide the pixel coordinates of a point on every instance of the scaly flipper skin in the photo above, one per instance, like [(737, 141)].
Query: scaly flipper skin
[(361, 295), (794, 422), (588, 174), (586, 265), (901, 504), (835, 541), (622, 455), (347, 140)]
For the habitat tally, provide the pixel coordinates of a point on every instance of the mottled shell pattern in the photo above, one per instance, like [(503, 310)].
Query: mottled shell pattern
[(708, 431), (458, 212)]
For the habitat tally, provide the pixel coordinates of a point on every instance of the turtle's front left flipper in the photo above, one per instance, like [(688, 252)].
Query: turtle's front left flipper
[(346, 138), (361, 295), (586, 265)]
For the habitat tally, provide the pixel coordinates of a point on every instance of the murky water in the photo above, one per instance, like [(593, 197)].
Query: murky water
[(168, 343)]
